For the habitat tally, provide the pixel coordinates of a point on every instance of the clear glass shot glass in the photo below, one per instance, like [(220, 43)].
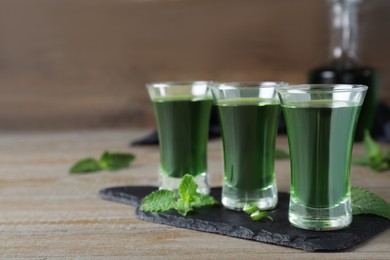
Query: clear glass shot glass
[(321, 121), (182, 111), (249, 115)]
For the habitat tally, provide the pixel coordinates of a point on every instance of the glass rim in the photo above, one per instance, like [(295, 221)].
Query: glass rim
[(248, 84), (321, 88), (164, 84)]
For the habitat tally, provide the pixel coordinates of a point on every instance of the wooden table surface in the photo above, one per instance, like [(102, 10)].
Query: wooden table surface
[(46, 213)]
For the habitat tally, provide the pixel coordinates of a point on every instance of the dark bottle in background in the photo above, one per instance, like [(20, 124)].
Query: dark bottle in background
[(344, 66)]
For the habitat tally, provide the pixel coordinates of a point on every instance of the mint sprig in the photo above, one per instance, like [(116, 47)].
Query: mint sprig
[(184, 201), (375, 158), (108, 161), (365, 202)]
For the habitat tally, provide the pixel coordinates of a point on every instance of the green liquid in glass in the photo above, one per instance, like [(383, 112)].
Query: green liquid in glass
[(249, 128), (320, 138), (183, 132)]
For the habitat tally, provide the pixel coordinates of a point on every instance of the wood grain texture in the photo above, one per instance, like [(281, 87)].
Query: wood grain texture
[(82, 64), (46, 213)]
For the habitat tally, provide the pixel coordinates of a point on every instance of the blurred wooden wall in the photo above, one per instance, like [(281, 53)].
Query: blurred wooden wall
[(80, 64)]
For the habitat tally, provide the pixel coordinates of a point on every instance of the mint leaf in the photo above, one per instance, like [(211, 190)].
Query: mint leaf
[(373, 149), (365, 202), (157, 201), (87, 165), (108, 161), (187, 188), (115, 161), (250, 209), (183, 207), (255, 212), (374, 157), (257, 215), (281, 154), (202, 200), (186, 191), (190, 198)]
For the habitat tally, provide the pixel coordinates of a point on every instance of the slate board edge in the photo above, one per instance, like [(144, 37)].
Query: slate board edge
[(125, 198), (111, 194), (161, 218)]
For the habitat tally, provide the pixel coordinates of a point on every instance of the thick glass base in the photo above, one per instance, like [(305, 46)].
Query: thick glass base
[(171, 183), (235, 199), (318, 219)]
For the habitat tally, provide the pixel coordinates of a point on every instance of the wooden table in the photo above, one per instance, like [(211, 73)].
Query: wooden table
[(47, 213)]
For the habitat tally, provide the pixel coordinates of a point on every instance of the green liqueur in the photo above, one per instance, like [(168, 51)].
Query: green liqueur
[(249, 128), (320, 138), (183, 131)]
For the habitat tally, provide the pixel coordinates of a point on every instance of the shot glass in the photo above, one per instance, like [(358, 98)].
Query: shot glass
[(182, 111), (321, 121), (248, 115)]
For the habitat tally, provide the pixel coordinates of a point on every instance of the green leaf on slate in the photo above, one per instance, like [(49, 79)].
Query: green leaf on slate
[(186, 200), (186, 190), (157, 201), (189, 198), (255, 212), (183, 207), (365, 202), (202, 200), (250, 209), (115, 161), (257, 215), (87, 165)]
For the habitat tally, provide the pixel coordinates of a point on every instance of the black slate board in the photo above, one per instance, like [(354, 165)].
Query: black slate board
[(237, 224)]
